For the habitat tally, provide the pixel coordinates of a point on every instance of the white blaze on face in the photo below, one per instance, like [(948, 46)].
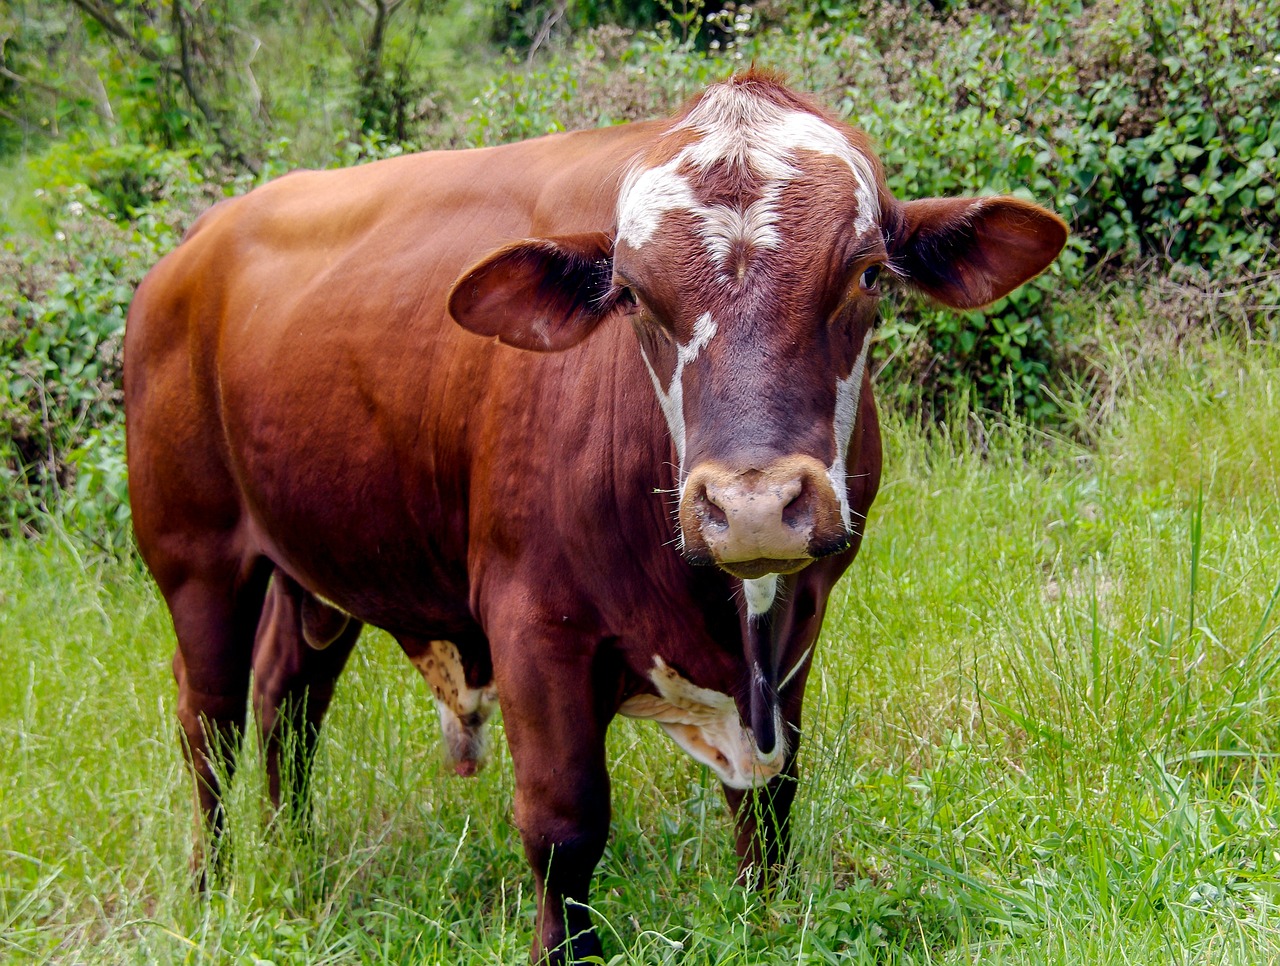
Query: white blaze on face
[(725, 229), (706, 724), (672, 398), (738, 128), (848, 397), (647, 195)]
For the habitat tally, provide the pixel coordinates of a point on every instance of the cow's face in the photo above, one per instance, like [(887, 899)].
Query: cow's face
[(750, 245)]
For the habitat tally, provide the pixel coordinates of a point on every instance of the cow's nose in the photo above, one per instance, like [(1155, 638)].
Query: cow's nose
[(753, 507), (771, 518)]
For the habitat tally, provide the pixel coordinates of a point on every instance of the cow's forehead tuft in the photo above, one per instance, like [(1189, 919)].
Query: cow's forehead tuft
[(738, 134)]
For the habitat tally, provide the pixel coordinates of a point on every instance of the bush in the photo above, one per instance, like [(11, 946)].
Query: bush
[(1154, 130), (61, 330)]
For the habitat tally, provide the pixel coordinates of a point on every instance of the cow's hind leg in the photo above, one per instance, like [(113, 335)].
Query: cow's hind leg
[(214, 616), (302, 646)]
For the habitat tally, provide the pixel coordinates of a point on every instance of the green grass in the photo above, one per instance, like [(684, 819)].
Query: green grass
[(1042, 728)]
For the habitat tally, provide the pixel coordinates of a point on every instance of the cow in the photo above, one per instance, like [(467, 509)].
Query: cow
[(584, 422)]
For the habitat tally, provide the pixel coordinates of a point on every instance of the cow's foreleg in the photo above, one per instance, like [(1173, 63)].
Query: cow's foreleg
[(763, 820), (555, 726), (293, 685)]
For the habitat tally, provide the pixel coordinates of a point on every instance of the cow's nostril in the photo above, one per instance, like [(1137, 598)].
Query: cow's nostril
[(710, 510), (797, 511)]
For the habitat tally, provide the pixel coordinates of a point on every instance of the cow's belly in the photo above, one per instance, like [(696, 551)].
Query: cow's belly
[(355, 541)]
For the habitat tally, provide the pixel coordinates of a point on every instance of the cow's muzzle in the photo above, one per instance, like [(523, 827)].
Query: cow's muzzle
[(761, 520)]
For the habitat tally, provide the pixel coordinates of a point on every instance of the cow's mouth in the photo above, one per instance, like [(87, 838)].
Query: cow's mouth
[(751, 569)]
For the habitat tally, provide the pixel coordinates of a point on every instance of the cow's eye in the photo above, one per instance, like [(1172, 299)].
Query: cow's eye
[(867, 282), (624, 294)]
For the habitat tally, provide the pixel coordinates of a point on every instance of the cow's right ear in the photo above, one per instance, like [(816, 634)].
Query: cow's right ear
[(543, 294)]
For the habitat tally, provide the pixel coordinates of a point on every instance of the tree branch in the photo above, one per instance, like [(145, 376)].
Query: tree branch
[(21, 122), (32, 82), (187, 73), (107, 18)]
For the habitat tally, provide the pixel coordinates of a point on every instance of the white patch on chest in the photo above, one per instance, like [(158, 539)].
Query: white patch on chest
[(706, 724), (848, 397)]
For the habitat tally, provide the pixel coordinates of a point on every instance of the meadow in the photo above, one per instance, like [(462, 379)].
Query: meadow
[(1041, 729)]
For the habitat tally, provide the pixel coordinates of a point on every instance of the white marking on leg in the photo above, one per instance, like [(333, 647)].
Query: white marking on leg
[(760, 592), (848, 397), (464, 711), (706, 724)]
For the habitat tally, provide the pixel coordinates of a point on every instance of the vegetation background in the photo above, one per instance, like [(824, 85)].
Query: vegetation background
[(1055, 741)]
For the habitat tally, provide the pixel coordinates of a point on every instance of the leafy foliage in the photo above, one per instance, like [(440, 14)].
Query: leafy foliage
[(61, 427), (1154, 131)]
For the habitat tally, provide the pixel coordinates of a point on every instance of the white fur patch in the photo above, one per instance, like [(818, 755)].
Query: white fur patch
[(848, 397), (740, 129), (760, 593), (706, 724), (804, 658), (724, 228), (463, 710), (647, 195), (672, 398)]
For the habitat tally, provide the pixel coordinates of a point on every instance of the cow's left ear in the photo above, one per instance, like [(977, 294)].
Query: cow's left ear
[(968, 252), (544, 294)]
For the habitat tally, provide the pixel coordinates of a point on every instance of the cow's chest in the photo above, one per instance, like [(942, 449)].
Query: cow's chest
[(707, 725)]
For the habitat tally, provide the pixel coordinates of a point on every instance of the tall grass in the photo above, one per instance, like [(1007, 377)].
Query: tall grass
[(1041, 729)]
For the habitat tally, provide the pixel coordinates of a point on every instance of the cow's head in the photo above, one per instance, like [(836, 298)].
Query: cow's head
[(750, 246)]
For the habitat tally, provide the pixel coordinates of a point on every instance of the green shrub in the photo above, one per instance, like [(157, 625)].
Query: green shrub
[(607, 76), (1154, 130), (1191, 131), (61, 329), (119, 181)]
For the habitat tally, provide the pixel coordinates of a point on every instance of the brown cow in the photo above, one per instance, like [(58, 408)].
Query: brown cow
[(643, 516)]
